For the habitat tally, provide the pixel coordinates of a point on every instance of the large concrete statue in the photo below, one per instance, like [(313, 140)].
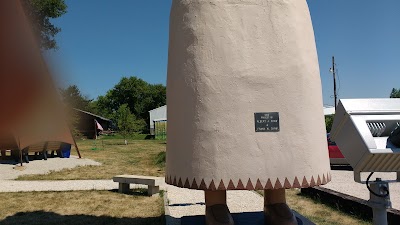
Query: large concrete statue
[(244, 99)]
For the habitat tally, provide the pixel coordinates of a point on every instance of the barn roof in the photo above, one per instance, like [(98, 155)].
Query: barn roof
[(92, 114), (164, 106)]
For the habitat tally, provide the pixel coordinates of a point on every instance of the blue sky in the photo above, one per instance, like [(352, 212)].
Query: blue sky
[(103, 40)]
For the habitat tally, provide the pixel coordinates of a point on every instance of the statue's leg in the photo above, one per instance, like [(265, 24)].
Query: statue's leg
[(276, 211), (217, 212)]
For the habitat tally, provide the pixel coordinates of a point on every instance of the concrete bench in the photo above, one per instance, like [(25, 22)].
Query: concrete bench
[(125, 180)]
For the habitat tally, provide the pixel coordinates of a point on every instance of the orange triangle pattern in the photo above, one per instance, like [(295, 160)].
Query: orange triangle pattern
[(203, 185), (250, 185), (296, 183), (305, 183), (278, 184), (287, 184), (259, 186), (187, 184), (240, 185), (221, 186), (180, 183), (194, 184), (312, 183), (212, 186), (231, 186), (268, 185)]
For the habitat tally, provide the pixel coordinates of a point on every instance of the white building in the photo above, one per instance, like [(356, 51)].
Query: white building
[(158, 114), (329, 110)]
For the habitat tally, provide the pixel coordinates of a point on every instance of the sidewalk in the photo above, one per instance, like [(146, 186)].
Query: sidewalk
[(187, 207), (343, 182), (67, 185), (190, 203)]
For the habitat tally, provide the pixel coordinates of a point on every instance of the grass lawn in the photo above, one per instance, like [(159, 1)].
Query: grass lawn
[(140, 157), (318, 212), (81, 208)]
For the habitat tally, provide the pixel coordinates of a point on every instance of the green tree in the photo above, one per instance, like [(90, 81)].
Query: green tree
[(126, 121), (101, 106), (41, 12), (395, 93), (75, 99), (329, 122), (139, 96)]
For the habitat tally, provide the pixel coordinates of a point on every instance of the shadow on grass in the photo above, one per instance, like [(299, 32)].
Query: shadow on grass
[(187, 204), (51, 218), (133, 192)]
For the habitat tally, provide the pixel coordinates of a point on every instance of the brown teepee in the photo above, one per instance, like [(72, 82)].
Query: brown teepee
[(31, 111)]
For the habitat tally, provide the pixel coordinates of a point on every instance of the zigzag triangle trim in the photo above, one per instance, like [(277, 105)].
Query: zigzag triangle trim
[(314, 180)]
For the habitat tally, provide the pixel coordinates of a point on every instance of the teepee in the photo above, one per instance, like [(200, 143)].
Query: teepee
[(31, 110)]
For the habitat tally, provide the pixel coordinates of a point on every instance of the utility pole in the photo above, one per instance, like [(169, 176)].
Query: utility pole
[(333, 71)]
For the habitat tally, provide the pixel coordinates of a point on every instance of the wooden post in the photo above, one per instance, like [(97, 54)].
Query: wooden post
[(20, 156), (77, 149), (76, 146), (95, 129)]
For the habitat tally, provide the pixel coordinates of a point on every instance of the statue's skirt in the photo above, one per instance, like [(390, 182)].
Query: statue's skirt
[(244, 97)]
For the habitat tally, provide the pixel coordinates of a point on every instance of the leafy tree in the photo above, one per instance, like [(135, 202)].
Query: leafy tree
[(395, 93), (101, 106), (139, 96), (74, 98), (329, 122), (126, 121), (40, 13)]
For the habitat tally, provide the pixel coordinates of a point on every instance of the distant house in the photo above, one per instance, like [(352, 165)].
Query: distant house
[(329, 110), (89, 124), (158, 115)]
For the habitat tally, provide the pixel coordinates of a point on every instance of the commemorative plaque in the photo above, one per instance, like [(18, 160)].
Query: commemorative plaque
[(267, 122)]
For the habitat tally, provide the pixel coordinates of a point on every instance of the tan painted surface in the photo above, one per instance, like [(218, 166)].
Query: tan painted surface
[(229, 59)]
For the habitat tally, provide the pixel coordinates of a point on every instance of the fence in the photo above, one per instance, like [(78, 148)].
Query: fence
[(160, 129)]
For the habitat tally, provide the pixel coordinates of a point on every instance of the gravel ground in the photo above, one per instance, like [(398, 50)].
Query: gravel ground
[(9, 172), (180, 202), (343, 182), (65, 185), (184, 202)]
